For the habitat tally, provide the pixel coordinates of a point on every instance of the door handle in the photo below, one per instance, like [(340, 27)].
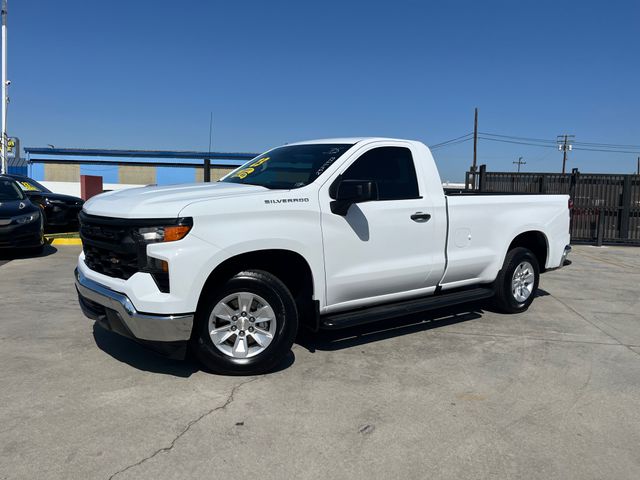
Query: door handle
[(420, 217)]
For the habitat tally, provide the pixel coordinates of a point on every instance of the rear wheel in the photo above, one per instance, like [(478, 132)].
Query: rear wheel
[(517, 282), (247, 326)]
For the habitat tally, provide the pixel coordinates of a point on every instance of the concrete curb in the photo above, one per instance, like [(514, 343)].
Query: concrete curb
[(65, 241)]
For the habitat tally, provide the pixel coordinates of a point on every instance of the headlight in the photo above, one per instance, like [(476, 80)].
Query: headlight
[(28, 218), (163, 234), (143, 236)]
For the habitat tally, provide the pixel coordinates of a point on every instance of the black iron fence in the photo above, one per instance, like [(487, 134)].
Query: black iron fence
[(606, 207)]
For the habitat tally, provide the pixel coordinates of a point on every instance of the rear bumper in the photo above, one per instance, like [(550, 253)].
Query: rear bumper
[(116, 312), (563, 260)]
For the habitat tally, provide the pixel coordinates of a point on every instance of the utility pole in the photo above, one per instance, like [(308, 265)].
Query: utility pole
[(475, 140), (519, 162), (565, 145), (638, 171), (474, 165), (5, 87)]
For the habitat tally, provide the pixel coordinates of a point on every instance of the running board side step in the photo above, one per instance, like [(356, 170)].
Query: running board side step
[(398, 309)]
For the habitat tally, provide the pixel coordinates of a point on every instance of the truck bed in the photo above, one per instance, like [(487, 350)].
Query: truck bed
[(456, 192), (482, 224)]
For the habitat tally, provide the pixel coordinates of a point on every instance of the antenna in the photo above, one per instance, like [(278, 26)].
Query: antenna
[(5, 88)]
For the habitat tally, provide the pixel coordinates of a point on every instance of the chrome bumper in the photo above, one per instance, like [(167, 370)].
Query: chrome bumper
[(143, 326)]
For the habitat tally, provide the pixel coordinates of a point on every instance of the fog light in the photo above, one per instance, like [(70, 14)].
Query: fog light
[(159, 270)]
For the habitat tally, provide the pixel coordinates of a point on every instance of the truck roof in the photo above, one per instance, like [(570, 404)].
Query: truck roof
[(351, 140)]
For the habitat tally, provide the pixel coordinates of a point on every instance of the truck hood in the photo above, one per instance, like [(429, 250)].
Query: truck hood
[(162, 202)]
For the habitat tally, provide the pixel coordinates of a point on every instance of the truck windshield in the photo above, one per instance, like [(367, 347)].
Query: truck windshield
[(288, 167), (9, 191)]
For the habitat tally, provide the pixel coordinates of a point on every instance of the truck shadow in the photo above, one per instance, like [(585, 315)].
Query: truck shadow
[(137, 356), (332, 340), (21, 253), (142, 358)]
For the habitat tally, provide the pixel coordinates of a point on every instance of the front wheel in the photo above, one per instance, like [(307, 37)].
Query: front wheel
[(517, 282), (247, 326)]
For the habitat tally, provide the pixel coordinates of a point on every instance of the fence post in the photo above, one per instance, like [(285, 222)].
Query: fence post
[(207, 170), (600, 233), (573, 182), (626, 208), (483, 174), (542, 183)]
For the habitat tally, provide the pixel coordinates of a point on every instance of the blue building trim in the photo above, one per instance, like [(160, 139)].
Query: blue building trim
[(171, 176), (17, 169), (171, 166), (95, 152), (109, 173)]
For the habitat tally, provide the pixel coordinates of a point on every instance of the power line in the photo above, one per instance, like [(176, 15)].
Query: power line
[(518, 142), (543, 157), (603, 150), (450, 141), (539, 142), (584, 149), (530, 140), (612, 145), (519, 138)]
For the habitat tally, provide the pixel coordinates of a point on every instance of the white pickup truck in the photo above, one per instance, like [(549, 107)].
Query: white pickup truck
[(324, 234)]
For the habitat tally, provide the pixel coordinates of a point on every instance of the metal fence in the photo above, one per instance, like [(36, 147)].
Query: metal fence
[(606, 207)]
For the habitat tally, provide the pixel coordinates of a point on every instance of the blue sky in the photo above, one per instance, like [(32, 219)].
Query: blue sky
[(146, 74)]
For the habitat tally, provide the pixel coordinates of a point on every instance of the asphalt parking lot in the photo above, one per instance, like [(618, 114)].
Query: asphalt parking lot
[(465, 393)]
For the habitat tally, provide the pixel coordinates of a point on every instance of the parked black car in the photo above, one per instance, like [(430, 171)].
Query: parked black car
[(21, 222), (59, 210)]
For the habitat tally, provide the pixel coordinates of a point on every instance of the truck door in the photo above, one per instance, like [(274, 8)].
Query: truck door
[(386, 249)]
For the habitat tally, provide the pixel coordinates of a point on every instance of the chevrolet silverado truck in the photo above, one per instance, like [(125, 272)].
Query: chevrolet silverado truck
[(325, 234)]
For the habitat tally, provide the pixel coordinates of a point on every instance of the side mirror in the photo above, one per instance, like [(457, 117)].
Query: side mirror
[(348, 192)]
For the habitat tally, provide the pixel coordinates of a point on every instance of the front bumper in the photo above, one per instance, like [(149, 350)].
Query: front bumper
[(21, 236), (116, 312)]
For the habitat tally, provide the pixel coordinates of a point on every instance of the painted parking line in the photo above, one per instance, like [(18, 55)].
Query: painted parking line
[(66, 241)]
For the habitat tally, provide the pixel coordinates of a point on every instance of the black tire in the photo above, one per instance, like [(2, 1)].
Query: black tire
[(271, 289), (504, 299)]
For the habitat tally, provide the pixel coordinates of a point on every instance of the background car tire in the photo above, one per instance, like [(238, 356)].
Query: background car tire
[(37, 250), (504, 300), (271, 289)]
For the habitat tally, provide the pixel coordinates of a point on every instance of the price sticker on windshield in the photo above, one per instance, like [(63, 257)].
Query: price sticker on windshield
[(27, 187), (251, 168)]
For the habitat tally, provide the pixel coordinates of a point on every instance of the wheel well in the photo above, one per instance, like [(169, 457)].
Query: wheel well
[(290, 267), (536, 242)]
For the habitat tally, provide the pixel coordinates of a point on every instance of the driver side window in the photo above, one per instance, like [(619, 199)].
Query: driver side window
[(391, 168)]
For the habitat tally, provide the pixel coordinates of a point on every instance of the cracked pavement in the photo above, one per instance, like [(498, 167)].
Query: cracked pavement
[(461, 393)]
